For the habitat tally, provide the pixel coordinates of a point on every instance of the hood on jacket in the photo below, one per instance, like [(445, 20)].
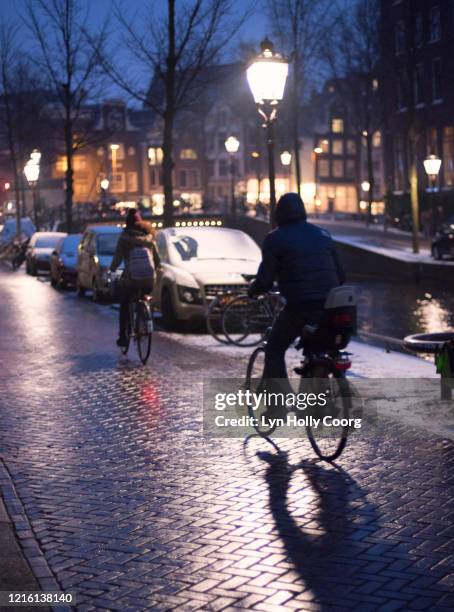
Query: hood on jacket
[(136, 238), (290, 208)]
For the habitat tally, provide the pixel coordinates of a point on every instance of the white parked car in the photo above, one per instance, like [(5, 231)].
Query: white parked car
[(198, 262)]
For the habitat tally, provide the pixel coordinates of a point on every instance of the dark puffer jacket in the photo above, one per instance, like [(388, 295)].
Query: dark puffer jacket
[(300, 256)]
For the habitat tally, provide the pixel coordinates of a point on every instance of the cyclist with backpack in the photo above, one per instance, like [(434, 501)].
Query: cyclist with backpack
[(136, 248)]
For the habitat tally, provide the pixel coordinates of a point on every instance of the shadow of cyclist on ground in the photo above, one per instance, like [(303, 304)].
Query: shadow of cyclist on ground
[(323, 549)]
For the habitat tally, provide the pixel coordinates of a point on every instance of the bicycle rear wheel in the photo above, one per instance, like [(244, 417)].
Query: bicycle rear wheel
[(255, 384), (144, 330), (245, 321), (328, 442)]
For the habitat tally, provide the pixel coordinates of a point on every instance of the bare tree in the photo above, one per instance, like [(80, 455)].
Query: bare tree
[(302, 28), (71, 64), (354, 59), (22, 106), (172, 52)]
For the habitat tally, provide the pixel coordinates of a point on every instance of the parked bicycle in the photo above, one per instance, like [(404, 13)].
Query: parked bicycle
[(323, 369), (215, 312), (245, 319)]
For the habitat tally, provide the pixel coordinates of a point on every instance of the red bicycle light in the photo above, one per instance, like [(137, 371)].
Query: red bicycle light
[(342, 319), (343, 365)]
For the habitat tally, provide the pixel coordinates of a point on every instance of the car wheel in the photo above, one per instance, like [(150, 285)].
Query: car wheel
[(80, 290), (168, 310), (33, 270), (436, 253)]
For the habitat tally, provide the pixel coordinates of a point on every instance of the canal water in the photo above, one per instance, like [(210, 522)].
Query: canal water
[(398, 309)]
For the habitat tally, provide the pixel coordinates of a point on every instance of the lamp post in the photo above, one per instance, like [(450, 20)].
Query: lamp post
[(267, 75), (104, 184), (432, 165), (31, 171), (316, 151), (232, 145)]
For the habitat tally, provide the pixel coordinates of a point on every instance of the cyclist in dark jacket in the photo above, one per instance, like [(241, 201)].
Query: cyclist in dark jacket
[(302, 259)]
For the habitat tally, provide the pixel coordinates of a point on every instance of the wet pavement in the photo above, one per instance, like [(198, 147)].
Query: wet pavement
[(125, 504)]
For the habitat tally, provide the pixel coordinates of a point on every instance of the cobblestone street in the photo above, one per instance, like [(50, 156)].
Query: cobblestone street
[(117, 496)]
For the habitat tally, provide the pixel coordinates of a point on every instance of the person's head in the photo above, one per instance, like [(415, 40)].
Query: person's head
[(289, 209), (133, 218)]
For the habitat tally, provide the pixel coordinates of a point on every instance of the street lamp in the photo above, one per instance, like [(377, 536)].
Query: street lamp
[(232, 145), (104, 184), (432, 165), (365, 186), (267, 75), (286, 158), (31, 171)]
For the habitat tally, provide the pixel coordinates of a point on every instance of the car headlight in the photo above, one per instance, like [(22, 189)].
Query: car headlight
[(190, 295)]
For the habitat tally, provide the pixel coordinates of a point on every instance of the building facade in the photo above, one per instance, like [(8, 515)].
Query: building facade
[(418, 94)]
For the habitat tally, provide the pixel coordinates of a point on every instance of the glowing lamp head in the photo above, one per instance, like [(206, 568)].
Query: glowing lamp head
[(365, 186), (232, 144), (267, 75), (105, 184), (432, 165), (114, 147), (31, 171), (286, 158), (35, 156)]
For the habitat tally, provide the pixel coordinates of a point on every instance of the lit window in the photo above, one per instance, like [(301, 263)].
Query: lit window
[(337, 147), (131, 151), (376, 139), (323, 167), (337, 126), (155, 156), (338, 168), (132, 182), (117, 150), (188, 154), (79, 162), (448, 156), (117, 184), (60, 164)]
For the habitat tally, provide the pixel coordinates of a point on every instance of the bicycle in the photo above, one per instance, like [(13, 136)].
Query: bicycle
[(140, 325), (323, 368), (246, 319), (215, 313)]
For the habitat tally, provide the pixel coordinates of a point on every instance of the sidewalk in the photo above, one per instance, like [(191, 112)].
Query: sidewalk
[(15, 573)]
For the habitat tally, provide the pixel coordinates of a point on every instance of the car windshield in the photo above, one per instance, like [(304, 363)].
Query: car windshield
[(70, 244), (213, 244), (107, 243), (47, 242)]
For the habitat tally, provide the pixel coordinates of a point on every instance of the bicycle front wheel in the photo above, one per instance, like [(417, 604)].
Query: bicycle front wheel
[(255, 384), (245, 321), (144, 330), (329, 441), (214, 320)]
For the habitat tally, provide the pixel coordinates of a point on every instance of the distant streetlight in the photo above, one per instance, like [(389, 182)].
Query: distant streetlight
[(365, 186), (105, 184), (267, 75), (232, 144), (432, 165), (31, 171), (286, 158), (7, 186)]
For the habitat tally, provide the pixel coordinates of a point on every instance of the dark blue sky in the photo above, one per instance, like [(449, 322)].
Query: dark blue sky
[(100, 9)]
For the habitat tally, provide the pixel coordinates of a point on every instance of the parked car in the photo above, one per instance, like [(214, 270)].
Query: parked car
[(198, 262), (96, 251), (443, 241), (8, 230), (39, 251), (63, 261)]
